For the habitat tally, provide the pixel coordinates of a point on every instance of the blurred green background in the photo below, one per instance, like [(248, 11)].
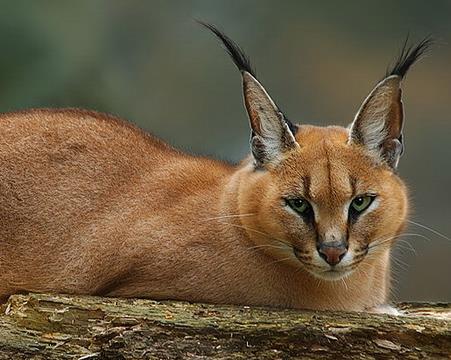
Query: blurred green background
[(149, 62)]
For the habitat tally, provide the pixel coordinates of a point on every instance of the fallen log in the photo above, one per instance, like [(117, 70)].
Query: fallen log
[(82, 327)]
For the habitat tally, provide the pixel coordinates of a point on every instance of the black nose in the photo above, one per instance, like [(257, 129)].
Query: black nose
[(332, 252)]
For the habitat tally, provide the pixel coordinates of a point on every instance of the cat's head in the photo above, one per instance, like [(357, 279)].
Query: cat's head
[(327, 199)]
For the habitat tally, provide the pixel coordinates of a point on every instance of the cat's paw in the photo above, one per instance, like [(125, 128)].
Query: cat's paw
[(386, 309)]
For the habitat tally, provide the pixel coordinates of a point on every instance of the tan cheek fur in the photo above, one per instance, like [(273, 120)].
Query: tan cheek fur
[(91, 205)]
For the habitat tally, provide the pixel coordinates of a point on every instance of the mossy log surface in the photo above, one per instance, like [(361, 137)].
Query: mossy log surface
[(82, 327)]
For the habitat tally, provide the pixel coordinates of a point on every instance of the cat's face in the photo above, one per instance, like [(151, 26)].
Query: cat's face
[(326, 198), (327, 207)]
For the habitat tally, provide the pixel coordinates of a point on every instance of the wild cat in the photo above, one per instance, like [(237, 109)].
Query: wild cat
[(90, 204)]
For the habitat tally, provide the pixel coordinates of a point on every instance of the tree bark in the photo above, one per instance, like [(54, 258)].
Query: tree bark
[(83, 327)]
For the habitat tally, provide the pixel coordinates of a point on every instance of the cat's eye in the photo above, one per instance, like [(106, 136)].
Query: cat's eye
[(361, 203), (301, 206)]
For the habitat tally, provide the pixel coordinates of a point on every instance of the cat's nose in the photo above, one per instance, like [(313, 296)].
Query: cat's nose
[(332, 252)]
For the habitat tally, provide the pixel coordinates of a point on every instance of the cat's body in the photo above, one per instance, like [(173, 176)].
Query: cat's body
[(92, 205)]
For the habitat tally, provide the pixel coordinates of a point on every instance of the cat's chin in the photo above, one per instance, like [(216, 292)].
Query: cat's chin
[(332, 274)]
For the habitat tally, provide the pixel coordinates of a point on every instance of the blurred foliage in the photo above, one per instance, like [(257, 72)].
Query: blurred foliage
[(149, 62)]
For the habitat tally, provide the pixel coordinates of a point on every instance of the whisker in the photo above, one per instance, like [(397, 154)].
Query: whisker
[(400, 263), (228, 216), (266, 245), (430, 229), (299, 268), (258, 232), (285, 245), (415, 235), (279, 260), (409, 247), (382, 241)]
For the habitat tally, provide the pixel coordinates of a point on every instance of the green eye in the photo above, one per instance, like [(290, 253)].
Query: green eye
[(361, 203), (301, 206)]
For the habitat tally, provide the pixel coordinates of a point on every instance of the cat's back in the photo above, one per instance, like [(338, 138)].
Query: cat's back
[(62, 134), (85, 142), (70, 166)]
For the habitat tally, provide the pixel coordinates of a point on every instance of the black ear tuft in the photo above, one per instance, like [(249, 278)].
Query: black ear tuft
[(237, 54), (409, 55), (243, 64)]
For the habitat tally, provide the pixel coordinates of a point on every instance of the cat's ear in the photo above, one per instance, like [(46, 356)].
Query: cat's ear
[(378, 123), (272, 135)]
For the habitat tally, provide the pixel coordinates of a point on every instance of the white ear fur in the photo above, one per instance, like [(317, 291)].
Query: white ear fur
[(378, 123), (272, 136)]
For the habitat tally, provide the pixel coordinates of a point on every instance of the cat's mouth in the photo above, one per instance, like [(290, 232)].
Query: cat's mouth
[(328, 273)]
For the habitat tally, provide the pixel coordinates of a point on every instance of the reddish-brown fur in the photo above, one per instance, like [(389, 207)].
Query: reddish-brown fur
[(91, 205)]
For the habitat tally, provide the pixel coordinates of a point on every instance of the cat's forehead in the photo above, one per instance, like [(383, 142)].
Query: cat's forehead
[(327, 147), (309, 134), (326, 168)]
